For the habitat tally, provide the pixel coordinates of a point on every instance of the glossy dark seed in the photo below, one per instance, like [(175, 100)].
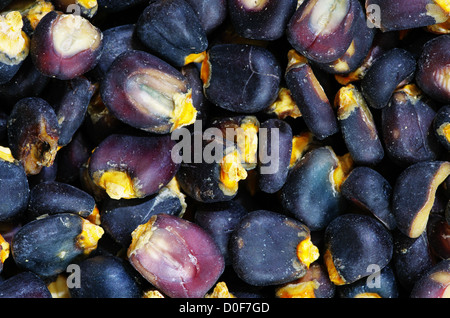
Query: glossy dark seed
[(312, 190), (268, 248), (65, 46), (16, 191), (369, 190), (241, 78), (211, 13), (273, 173), (147, 93), (106, 276), (358, 49), (24, 285), (46, 246), (387, 73), (407, 124), (414, 193), (382, 42), (33, 133), (322, 30), (434, 283), (411, 259), (128, 166), (27, 82), (220, 220), (402, 15), (310, 96), (261, 20), (70, 100), (53, 197), (358, 127), (353, 243), (119, 218), (433, 69), (116, 40), (176, 256), (383, 284), (177, 19)]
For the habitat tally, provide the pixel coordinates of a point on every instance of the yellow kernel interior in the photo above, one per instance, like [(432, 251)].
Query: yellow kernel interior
[(284, 106), (298, 290), (307, 252), (220, 291), (184, 112), (231, 172), (37, 11), (194, 58), (421, 219), (247, 141), (4, 251), (117, 184), (300, 144), (332, 271), (14, 43), (89, 236), (345, 165)]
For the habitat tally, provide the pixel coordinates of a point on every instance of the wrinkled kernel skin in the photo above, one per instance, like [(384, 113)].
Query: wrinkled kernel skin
[(262, 23), (122, 104), (49, 62), (384, 76), (368, 189), (407, 123), (434, 282), (53, 197), (356, 241), (30, 119), (106, 276), (24, 285), (412, 190), (308, 193), (321, 48), (146, 159), (243, 78), (179, 258), (15, 190), (174, 18), (433, 69), (264, 248)]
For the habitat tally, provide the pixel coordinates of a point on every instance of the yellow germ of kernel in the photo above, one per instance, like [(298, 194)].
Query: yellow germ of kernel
[(307, 252), (14, 43)]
